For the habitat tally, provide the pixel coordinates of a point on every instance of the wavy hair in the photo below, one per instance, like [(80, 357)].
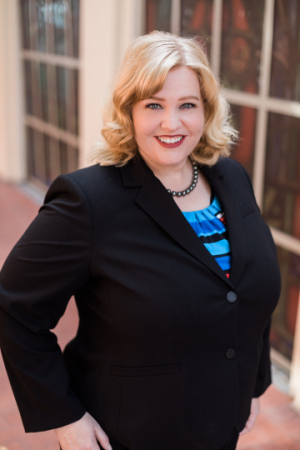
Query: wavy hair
[(142, 74)]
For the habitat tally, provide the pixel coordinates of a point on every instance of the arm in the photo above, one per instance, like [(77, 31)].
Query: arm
[(264, 377), (45, 268)]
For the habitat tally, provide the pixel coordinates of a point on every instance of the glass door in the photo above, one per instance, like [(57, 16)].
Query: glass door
[(50, 54)]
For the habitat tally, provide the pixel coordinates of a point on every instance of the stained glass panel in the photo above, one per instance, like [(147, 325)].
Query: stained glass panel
[(196, 20), (241, 44), (158, 15), (244, 120), (285, 73), (285, 315)]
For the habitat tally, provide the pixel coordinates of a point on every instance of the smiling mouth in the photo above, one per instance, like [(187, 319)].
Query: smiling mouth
[(173, 140)]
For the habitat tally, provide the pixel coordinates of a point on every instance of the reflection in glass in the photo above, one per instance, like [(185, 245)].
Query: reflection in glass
[(158, 15), (244, 120), (196, 20), (241, 44), (285, 315), (281, 208), (285, 72)]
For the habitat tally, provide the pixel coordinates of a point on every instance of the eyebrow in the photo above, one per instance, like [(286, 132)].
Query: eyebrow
[(182, 98)]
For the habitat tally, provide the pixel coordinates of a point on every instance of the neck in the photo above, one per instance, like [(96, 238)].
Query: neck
[(176, 177)]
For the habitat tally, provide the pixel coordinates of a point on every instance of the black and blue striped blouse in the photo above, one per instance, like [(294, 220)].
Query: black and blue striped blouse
[(210, 225)]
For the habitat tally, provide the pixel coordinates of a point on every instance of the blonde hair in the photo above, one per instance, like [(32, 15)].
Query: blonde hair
[(142, 74)]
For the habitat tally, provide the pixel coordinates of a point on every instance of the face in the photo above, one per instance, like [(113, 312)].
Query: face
[(169, 124)]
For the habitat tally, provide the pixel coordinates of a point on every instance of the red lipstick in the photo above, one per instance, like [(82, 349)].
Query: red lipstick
[(175, 144)]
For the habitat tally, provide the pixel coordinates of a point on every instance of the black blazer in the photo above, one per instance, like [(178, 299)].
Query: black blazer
[(169, 352)]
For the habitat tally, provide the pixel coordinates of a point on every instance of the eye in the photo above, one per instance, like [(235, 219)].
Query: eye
[(188, 105), (153, 106)]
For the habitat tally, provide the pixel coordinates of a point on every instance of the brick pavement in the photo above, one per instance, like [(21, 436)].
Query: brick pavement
[(277, 426)]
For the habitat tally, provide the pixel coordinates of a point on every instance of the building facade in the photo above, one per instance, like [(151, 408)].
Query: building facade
[(58, 59)]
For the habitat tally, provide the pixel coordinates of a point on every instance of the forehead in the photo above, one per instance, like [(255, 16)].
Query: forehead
[(181, 80)]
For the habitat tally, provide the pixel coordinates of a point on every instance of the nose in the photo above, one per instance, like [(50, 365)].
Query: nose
[(170, 120)]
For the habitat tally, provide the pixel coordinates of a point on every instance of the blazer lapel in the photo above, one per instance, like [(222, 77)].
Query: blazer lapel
[(236, 232), (154, 199)]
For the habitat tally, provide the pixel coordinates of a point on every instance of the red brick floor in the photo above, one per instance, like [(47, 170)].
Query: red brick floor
[(277, 426)]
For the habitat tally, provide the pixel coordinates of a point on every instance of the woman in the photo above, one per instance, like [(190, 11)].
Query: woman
[(173, 269)]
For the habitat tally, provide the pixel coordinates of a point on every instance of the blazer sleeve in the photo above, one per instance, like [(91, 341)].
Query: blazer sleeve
[(264, 375), (45, 268)]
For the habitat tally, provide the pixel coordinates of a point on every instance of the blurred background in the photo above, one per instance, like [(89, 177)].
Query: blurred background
[(58, 59)]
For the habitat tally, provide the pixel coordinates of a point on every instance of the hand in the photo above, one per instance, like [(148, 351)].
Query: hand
[(255, 408), (82, 435)]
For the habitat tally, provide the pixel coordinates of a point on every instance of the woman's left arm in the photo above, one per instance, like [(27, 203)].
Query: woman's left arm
[(263, 379), (255, 408)]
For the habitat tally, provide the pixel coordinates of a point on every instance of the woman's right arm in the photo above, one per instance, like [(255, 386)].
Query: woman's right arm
[(45, 268)]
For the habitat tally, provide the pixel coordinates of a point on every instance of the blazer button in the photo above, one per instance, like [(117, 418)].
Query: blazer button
[(231, 296), (230, 353)]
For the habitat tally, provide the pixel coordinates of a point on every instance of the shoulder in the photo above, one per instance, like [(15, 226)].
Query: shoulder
[(87, 182), (233, 172), (95, 175)]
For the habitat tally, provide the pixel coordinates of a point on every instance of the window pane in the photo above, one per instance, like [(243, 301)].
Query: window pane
[(285, 315), (75, 25), (241, 44), (41, 17), (158, 15), (285, 74), (27, 86), (61, 96), (36, 89), (24, 15), (281, 207), (30, 152), (76, 98), (196, 20), (59, 7), (48, 179), (63, 157), (44, 93), (72, 100), (54, 155), (72, 158), (244, 120)]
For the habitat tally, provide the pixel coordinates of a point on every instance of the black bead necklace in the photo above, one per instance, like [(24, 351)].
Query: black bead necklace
[(190, 188)]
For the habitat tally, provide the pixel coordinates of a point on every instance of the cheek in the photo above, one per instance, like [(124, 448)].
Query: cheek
[(198, 125)]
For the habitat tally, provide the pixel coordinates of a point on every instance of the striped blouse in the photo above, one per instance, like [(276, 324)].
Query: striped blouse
[(210, 226)]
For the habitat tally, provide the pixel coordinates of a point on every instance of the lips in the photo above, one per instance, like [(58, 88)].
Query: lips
[(177, 140)]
